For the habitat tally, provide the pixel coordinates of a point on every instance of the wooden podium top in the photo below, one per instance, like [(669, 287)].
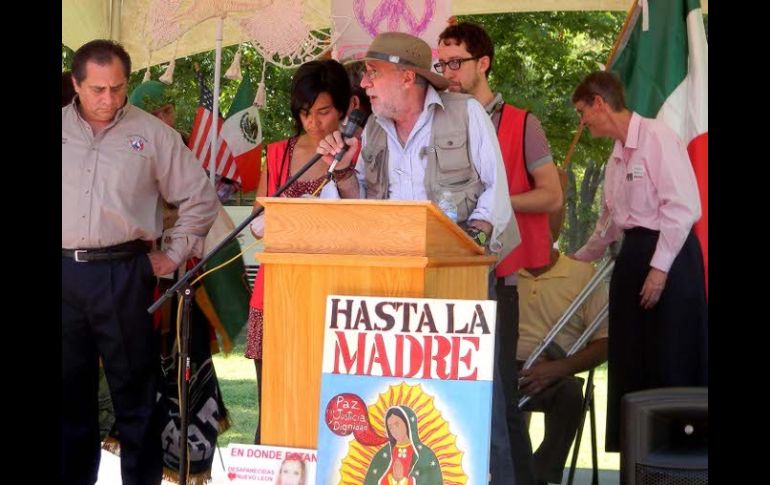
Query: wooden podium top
[(362, 227)]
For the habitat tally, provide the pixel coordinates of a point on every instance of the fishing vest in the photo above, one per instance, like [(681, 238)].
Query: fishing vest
[(448, 168)]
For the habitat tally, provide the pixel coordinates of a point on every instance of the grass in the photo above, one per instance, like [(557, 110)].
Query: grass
[(237, 380)]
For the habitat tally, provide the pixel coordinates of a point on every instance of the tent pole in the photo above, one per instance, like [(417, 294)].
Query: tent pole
[(115, 11)]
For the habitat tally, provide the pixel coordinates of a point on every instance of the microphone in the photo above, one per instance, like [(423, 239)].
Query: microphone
[(355, 120)]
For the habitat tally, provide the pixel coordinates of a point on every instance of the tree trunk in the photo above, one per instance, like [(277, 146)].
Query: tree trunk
[(580, 214)]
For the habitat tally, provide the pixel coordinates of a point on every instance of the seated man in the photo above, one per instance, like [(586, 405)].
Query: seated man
[(544, 295)]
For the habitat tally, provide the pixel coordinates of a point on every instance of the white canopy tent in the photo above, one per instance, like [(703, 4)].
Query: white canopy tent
[(124, 21)]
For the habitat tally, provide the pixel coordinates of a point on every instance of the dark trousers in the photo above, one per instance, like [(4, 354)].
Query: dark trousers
[(562, 405), (104, 313), (258, 433), (665, 346), (507, 418)]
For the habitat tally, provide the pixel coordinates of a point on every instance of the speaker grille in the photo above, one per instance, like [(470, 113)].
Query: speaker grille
[(651, 475)]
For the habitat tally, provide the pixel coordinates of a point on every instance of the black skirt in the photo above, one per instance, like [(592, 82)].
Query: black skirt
[(666, 346)]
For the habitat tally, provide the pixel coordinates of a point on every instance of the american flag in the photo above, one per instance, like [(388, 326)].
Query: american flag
[(200, 138)]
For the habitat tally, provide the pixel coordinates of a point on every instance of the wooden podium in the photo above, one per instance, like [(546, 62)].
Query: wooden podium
[(318, 247)]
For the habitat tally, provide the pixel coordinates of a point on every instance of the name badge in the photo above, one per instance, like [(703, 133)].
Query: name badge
[(638, 171)]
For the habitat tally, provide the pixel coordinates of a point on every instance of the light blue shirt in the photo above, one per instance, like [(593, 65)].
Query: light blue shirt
[(406, 164)]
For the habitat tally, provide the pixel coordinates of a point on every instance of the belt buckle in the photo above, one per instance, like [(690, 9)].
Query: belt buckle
[(78, 252)]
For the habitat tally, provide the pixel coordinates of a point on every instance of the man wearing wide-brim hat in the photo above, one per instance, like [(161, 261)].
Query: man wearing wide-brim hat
[(423, 142)]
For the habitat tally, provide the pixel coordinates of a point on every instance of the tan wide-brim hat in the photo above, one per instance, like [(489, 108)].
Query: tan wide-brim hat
[(407, 51)]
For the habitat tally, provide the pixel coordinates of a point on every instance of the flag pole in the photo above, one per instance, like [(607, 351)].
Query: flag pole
[(214, 134), (622, 34), (610, 58)]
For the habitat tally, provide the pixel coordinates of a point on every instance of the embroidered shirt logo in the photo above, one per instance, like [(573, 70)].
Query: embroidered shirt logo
[(136, 143)]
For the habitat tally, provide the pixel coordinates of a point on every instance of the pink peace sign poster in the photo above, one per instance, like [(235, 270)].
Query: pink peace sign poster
[(357, 22)]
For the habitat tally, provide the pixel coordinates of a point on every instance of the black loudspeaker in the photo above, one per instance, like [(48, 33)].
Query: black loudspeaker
[(664, 437)]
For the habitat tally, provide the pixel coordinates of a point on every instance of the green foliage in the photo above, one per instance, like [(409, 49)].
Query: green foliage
[(276, 117), (66, 58), (541, 57)]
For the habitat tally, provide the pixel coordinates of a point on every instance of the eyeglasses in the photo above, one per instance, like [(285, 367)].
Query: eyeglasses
[(454, 64), (372, 74)]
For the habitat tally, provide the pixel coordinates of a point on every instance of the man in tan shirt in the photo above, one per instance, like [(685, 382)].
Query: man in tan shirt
[(118, 165), (544, 295)]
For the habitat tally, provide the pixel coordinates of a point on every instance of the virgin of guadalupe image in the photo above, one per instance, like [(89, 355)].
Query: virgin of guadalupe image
[(404, 459)]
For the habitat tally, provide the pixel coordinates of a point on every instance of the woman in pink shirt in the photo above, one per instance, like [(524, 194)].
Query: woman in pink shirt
[(658, 320)]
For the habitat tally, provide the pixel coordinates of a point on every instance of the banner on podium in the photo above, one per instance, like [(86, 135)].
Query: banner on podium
[(406, 391)]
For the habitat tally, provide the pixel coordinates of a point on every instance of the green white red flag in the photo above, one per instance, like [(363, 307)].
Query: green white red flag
[(662, 59)]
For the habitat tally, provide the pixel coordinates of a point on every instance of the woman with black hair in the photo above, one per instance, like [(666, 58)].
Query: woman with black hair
[(320, 98)]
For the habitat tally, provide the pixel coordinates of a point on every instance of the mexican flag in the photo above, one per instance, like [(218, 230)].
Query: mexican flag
[(240, 136), (662, 59), (225, 293), (242, 131)]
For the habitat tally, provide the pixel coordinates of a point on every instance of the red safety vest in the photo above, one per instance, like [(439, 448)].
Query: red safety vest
[(535, 247)]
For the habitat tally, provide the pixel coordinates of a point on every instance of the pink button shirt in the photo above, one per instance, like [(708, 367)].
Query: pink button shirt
[(649, 182)]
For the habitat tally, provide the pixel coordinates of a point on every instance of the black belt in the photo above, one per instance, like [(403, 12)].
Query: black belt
[(119, 251), (641, 230)]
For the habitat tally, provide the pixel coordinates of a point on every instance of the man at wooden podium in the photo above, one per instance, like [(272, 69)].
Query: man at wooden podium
[(422, 142)]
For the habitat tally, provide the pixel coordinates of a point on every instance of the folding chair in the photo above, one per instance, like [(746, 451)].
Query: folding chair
[(588, 405)]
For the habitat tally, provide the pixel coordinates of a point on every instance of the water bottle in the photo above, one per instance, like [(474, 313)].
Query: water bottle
[(447, 206)]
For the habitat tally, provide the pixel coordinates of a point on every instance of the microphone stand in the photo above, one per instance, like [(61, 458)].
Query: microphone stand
[(185, 288)]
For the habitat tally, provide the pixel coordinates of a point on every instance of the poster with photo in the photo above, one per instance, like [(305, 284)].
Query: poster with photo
[(270, 465)]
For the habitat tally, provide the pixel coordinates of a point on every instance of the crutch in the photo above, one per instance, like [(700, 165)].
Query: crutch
[(578, 344)]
